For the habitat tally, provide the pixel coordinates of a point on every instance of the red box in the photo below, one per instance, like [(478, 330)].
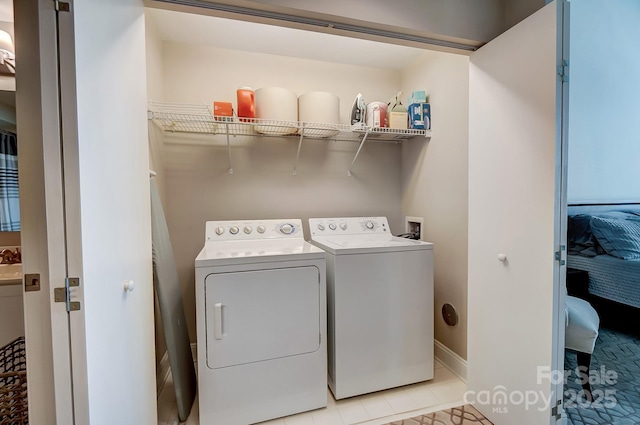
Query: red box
[(223, 109)]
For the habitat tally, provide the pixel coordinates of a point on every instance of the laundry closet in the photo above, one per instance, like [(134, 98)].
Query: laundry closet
[(196, 60)]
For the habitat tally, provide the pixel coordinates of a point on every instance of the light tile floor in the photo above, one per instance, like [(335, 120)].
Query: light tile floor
[(444, 391)]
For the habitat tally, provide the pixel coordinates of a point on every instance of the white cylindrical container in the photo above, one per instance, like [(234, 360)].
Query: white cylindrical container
[(280, 107), (319, 112)]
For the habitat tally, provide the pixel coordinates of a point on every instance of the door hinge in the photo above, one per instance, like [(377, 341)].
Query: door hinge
[(560, 255), (63, 295), (563, 71), (556, 411), (62, 6)]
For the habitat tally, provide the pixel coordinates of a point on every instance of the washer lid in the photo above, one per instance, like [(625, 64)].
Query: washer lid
[(256, 251), (367, 244)]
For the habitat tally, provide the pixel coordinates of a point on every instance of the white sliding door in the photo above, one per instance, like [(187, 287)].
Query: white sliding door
[(514, 161)]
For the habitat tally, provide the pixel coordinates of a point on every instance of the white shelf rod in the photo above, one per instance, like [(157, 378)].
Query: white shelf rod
[(364, 138), (295, 165), (229, 149)]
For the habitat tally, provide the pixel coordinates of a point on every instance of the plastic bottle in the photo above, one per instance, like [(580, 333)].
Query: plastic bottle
[(246, 103)]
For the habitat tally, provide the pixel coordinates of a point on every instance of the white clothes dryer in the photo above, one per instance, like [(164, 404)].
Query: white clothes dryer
[(261, 322), (380, 305)]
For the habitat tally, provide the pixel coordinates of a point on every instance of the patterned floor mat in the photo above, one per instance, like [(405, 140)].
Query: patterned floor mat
[(615, 379), (463, 415)]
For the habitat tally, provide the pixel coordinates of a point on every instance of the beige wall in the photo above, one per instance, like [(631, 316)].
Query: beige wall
[(199, 187), (201, 74), (435, 186)]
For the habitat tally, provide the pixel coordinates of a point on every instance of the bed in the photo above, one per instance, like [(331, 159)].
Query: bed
[(604, 240)]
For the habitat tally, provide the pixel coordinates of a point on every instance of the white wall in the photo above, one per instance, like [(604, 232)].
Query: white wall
[(115, 213), (604, 102), (199, 187), (435, 182)]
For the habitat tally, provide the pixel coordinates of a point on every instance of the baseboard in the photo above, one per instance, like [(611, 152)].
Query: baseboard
[(162, 373), (451, 360)]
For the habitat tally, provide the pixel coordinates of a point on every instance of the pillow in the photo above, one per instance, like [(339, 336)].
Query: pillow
[(579, 235), (579, 231), (619, 237)]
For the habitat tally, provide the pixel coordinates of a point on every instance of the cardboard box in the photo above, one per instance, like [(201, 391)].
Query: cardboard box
[(418, 97), (398, 119), (224, 110), (420, 116)]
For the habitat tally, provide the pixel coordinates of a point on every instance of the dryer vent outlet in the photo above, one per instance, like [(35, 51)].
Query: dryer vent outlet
[(449, 314), (413, 225)]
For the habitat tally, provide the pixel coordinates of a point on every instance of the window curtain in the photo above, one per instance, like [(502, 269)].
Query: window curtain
[(9, 199)]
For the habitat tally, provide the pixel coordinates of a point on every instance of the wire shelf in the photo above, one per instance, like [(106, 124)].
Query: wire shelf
[(184, 118), (173, 117)]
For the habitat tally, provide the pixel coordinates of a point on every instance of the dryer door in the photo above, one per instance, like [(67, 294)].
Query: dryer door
[(261, 315)]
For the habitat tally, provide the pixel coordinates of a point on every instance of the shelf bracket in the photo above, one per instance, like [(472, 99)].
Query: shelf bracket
[(295, 165), (364, 139), (229, 149)]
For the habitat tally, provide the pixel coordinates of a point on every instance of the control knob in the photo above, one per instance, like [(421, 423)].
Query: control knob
[(219, 230), (332, 226), (343, 226), (287, 229), (320, 226), (247, 229), (369, 224), (261, 229), (234, 230)]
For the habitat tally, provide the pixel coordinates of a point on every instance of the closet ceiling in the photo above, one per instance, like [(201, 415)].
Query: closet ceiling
[(247, 36), (253, 37)]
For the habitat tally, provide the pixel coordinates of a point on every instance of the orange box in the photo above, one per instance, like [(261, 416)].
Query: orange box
[(223, 109)]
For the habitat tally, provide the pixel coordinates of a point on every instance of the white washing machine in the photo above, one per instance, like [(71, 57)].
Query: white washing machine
[(380, 305), (261, 322)]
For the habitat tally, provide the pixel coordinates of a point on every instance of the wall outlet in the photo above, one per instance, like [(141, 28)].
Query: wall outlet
[(414, 225)]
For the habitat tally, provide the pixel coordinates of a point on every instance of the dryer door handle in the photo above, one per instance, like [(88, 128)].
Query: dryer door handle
[(217, 321)]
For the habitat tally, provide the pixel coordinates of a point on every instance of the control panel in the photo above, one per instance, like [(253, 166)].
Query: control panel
[(253, 229), (349, 226)]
